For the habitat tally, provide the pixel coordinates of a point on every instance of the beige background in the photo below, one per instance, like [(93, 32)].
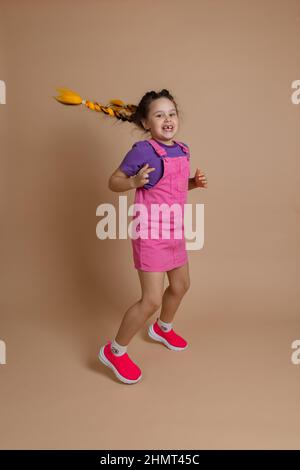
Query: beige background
[(230, 65)]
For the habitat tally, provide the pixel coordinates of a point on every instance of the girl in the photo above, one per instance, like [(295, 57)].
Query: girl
[(158, 168)]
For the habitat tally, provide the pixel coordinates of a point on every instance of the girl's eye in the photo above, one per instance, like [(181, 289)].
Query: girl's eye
[(172, 114)]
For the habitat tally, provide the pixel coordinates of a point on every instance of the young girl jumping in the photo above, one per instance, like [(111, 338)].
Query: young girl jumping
[(158, 169)]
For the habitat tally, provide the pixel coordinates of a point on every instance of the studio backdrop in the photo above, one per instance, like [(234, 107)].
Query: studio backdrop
[(233, 68)]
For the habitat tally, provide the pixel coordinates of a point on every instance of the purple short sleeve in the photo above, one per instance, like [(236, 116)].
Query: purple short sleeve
[(133, 160), (140, 154)]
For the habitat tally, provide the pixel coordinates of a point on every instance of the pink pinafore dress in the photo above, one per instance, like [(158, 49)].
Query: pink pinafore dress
[(152, 251)]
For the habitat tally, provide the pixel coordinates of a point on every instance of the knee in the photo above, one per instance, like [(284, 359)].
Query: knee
[(151, 304), (180, 289)]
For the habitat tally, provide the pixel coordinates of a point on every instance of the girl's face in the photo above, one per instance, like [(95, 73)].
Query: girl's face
[(162, 120)]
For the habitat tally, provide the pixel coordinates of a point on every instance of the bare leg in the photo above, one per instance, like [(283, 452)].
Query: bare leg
[(179, 283), (152, 285)]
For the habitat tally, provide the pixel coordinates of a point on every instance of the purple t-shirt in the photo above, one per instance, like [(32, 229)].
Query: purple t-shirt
[(141, 153)]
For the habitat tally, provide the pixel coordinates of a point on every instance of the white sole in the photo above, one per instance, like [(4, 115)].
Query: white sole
[(106, 362), (156, 337)]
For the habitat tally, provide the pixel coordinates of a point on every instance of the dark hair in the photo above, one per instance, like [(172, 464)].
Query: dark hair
[(142, 109)]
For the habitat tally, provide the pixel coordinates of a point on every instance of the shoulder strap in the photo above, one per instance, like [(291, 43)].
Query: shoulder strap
[(162, 152), (184, 147), (159, 150)]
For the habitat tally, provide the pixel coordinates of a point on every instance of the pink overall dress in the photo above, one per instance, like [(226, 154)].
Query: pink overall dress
[(156, 253)]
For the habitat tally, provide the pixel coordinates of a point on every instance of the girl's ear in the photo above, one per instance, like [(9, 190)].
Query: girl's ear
[(144, 124)]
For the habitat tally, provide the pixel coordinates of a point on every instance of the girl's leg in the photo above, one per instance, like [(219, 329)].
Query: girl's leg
[(152, 285), (179, 283)]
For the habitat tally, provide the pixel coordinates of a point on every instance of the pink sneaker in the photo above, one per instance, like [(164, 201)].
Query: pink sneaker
[(123, 367), (170, 339)]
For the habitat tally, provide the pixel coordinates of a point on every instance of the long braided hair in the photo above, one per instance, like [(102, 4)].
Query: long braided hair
[(117, 108)]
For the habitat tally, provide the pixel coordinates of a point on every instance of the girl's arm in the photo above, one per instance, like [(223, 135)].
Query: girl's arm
[(119, 181)]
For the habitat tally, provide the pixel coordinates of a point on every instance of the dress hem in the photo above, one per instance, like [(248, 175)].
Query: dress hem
[(160, 270)]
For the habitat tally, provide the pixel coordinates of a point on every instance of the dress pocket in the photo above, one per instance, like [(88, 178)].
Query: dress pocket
[(183, 179)]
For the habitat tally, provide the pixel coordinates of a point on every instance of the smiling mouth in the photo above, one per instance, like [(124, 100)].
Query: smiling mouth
[(168, 128)]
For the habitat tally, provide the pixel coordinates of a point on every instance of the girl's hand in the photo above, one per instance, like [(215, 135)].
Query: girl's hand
[(200, 179), (142, 177)]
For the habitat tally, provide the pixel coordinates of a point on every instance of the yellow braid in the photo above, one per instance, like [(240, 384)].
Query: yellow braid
[(115, 108)]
